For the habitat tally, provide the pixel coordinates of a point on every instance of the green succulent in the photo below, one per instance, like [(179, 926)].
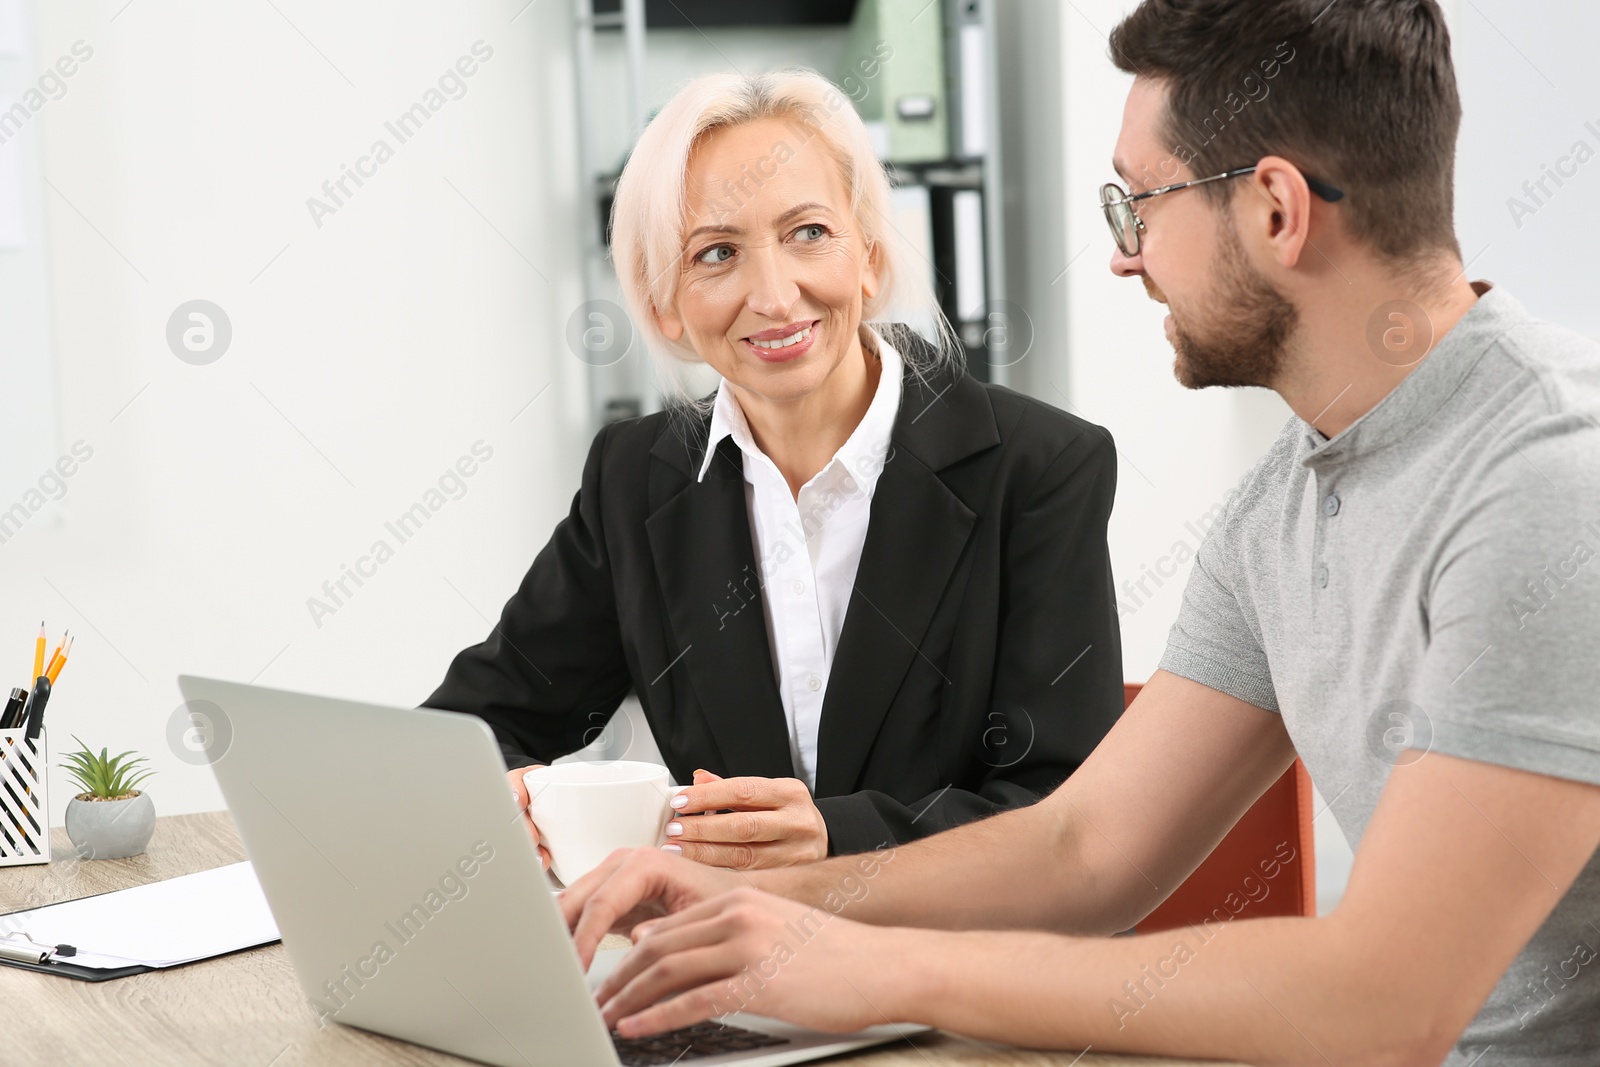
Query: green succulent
[(102, 778)]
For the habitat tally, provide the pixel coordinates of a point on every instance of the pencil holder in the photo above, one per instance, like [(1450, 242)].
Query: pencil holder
[(24, 807)]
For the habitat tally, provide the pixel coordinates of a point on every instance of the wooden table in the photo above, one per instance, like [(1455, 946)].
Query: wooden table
[(247, 1010)]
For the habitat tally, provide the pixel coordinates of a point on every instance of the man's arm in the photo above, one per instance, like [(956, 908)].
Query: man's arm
[(1181, 766), (1460, 865), (1096, 856)]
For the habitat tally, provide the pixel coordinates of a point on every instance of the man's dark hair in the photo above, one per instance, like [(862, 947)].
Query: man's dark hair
[(1359, 93)]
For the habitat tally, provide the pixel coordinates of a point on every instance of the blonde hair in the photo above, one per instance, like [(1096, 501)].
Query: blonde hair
[(648, 216)]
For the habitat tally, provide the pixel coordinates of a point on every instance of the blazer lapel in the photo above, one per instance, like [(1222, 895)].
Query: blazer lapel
[(915, 537), (700, 542)]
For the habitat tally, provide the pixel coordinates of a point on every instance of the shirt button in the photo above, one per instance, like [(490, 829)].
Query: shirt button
[(813, 683), (1322, 575), (799, 587), (1330, 505)]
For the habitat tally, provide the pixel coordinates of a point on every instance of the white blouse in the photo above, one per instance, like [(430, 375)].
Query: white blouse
[(808, 548)]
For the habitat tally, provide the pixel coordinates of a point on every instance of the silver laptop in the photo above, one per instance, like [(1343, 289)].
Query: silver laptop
[(411, 900)]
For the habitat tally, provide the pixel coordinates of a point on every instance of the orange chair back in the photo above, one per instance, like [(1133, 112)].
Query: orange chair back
[(1266, 866)]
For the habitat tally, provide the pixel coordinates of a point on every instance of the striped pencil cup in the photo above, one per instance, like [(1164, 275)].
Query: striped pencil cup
[(24, 807)]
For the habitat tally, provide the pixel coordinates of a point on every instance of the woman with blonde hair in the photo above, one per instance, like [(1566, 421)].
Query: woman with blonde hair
[(861, 596)]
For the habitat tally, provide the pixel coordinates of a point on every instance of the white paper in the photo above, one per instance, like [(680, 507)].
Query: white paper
[(179, 920)]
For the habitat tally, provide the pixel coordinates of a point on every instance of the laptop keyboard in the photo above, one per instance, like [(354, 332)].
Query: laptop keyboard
[(690, 1043)]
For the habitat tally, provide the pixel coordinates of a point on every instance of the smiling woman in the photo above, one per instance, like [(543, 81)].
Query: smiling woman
[(724, 154), (936, 639)]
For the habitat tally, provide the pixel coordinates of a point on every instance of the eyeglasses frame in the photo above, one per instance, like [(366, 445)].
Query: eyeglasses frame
[(1325, 190)]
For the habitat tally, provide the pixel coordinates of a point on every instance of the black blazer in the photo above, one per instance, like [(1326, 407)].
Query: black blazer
[(979, 663)]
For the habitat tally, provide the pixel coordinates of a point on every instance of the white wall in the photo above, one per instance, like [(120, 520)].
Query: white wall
[(367, 354), (27, 430), (1531, 103)]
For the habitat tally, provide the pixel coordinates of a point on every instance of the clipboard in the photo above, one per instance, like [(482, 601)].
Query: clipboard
[(151, 927), (66, 969)]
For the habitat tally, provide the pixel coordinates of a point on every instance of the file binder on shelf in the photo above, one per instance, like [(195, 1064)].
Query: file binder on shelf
[(962, 275), (892, 69), (24, 806), (967, 78)]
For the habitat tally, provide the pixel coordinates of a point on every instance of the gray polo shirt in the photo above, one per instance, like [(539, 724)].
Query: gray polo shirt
[(1428, 581)]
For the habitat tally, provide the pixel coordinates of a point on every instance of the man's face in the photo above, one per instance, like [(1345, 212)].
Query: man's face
[(1228, 325)]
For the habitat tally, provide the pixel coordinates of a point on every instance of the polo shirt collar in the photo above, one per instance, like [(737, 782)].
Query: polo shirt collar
[(1426, 389), (866, 442)]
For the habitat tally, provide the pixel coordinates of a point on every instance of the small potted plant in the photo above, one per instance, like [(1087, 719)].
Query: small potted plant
[(109, 819)]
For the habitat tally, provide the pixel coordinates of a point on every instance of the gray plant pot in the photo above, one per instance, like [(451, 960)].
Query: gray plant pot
[(111, 829)]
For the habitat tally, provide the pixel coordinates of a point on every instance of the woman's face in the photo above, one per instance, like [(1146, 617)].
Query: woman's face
[(774, 267)]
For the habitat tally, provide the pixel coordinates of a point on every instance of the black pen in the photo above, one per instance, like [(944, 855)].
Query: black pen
[(33, 714), (11, 718)]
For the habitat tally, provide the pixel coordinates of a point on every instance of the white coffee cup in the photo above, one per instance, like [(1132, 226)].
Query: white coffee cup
[(585, 811)]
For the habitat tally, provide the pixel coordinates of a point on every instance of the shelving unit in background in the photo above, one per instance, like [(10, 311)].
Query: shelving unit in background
[(932, 106)]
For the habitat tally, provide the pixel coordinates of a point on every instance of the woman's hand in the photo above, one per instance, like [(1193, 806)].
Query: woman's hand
[(765, 822), (519, 790), (750, 951)]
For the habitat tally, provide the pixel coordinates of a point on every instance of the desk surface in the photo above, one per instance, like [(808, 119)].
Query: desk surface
[(246, 1009)]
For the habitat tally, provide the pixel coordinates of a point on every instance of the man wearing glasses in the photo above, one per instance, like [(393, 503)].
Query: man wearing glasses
[(1403, 592)]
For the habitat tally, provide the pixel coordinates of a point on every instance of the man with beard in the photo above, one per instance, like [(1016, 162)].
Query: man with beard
[(1402, 592)]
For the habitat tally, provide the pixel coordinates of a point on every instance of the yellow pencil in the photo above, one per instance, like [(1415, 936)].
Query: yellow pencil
[(38, 656), (57, 653), (61, 661)]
